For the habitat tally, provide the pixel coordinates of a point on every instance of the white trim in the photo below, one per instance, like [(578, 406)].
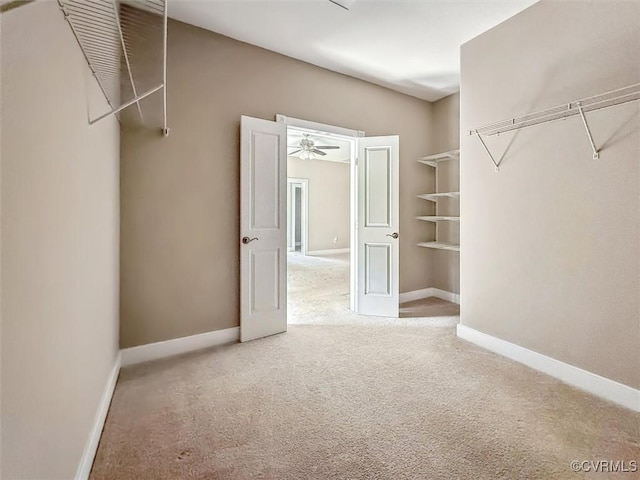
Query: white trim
[(91, 447), (449, 296), (429, 292), (176, 346), (329, 252), (416, 295), (318, 127), (353, 227), (143, 353), (590, 382), (352, 136), (304, 216)]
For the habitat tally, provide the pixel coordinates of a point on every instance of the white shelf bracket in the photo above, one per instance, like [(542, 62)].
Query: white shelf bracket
[(165, 127), (496, 164), (596, 153), (619, 96), (104, 30), (125, 55)]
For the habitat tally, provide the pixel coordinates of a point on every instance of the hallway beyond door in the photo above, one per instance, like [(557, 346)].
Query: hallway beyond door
[(318, 294)]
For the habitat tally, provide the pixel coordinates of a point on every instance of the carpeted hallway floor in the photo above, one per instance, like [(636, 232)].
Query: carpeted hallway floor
[(354, 402), (318, 290)]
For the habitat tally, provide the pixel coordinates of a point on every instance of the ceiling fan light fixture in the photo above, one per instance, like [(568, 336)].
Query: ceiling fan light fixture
[(307, 149)]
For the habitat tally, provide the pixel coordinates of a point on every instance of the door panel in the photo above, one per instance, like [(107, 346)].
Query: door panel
[(265, 295), (263, 260), (378, 209), (377, 192), (377, 268), (265, 185)]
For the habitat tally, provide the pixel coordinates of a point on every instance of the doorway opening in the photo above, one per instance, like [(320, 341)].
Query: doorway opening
[(372, 198), (319, 224)]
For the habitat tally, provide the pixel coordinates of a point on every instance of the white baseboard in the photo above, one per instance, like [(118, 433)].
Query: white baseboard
[(429, 292), (590, 382), (91, 447), (449, 296), (329, 252), (168, 348), (416, 295), (143, 353)]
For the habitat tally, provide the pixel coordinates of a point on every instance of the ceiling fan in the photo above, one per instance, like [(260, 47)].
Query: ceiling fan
[(307, 147)]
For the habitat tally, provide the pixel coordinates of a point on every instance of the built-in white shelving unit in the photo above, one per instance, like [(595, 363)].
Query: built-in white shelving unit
[(435, 196), (433, 161), (439, 218), (441, 246)]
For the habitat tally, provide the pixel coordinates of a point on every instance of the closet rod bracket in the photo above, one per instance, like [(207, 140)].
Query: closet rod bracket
[(596, 153), (496, 164)]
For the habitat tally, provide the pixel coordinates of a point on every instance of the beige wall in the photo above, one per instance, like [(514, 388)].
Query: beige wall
[(180, 195), (60, 223), (446, 123), (329, 209), (446, 137), (551, 256)]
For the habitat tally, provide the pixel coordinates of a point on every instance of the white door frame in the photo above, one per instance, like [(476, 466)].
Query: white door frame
[(304, 215), (352, 136)]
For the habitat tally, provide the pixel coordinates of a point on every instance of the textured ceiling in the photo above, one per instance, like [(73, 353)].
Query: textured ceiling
[(409, 46)]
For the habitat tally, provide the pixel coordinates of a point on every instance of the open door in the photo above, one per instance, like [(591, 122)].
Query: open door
[(263, 228), (378, 222)]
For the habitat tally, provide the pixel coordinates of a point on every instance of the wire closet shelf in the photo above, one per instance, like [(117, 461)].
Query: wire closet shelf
[(124, 42), (578, 107)]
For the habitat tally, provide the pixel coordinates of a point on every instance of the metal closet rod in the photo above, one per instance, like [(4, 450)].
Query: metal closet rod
[(97, 27), (596, 102), (560, 112)]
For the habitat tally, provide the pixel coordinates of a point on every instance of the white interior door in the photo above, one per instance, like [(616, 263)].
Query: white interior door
[(263, 228), (378, 222)]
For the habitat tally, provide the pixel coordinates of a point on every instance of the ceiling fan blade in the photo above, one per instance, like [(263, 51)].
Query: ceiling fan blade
[(319, 152), (328, 147), (297, 151)]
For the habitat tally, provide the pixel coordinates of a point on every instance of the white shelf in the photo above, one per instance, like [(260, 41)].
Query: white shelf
[(454, 247), (438, 218), (435, 196), (432, 160)]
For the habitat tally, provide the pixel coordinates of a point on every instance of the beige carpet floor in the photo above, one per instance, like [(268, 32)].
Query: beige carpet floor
[(318, 294), (355, 402)]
